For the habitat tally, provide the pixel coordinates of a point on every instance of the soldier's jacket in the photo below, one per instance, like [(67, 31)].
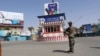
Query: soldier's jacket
[(70, 31)]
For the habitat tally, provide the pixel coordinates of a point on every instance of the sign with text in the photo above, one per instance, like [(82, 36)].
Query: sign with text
[(87, 28), (10, 17), (52, 18)]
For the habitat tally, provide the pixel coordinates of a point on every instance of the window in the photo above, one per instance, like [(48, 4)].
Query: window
[(50, 29)]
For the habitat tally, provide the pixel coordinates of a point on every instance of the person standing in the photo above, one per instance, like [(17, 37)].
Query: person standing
[(70, 31)]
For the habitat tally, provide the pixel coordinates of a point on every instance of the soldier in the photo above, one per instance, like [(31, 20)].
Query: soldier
[(70, 31)]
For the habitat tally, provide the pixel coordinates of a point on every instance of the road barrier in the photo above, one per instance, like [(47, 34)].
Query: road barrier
[(53, 39)]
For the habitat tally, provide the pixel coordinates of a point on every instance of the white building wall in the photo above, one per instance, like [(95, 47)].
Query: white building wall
[(42, 29), (61, 28)]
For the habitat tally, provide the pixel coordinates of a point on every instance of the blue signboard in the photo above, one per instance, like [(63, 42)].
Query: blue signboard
[(52, 19), (89, 27), (52, 8)]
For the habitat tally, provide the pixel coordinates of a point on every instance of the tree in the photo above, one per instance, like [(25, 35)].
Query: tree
[(94, 27), (30, 29)]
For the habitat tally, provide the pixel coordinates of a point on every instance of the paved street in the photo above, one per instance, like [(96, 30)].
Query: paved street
[(85, 46)]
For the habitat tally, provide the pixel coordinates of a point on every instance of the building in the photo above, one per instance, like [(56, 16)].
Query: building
[(11, 22), (52, 23)]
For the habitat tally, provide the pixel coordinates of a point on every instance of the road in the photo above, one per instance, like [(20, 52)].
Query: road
[(85, 46)]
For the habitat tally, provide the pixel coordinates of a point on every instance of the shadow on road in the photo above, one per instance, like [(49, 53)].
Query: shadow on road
[(62, 51), (95, 47)]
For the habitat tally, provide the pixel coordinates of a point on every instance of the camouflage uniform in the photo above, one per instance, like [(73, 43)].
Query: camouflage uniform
[(71, 32)]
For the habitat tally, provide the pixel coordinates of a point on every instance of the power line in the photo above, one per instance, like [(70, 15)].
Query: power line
[(78, 19)]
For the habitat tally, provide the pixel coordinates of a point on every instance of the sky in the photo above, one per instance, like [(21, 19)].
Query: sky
[(78, 11)]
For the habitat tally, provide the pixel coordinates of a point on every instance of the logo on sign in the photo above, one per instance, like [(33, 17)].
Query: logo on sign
[(52, 8)]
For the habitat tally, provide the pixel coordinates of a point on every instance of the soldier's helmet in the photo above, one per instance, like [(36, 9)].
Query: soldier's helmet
[(70, 22)]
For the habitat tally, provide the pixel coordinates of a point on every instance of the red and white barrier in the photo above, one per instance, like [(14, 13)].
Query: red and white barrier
[(47, 23), (54, 39)]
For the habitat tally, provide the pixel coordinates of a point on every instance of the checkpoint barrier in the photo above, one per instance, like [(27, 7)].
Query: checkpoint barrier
[(53, 39)]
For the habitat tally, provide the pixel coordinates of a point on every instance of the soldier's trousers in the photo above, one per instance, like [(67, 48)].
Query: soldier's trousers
[(71, 43)]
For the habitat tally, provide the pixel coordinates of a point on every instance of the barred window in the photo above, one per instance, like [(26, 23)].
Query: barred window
[(51, 29)]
